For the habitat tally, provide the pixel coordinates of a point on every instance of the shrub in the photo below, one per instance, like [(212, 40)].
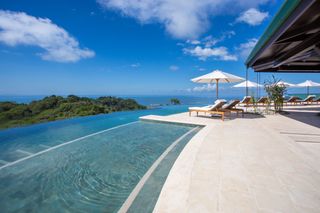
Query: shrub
[(275, 93)]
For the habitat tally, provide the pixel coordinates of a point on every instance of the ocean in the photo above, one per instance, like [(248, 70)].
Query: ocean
[(147, 100)]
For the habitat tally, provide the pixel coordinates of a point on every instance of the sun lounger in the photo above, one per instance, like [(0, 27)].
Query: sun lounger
[(317, 100), (211, 109), (292, 100), (246, 100), (307, 100), (231, 106), (262, 100)]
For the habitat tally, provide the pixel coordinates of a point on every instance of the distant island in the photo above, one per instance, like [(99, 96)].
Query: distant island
[(53, 108), (175, 101)]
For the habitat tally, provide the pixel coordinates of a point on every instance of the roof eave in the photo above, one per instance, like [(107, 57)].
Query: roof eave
[(279, 23)]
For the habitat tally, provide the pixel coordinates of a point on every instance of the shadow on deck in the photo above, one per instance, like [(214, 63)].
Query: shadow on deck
[(309, 116)]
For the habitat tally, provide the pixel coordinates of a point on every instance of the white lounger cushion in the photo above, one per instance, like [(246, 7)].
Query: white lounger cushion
[(309, 96), (245, 98), (209, 107), (202, 108)]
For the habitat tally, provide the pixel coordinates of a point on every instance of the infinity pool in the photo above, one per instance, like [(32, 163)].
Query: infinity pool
[(86, 168)]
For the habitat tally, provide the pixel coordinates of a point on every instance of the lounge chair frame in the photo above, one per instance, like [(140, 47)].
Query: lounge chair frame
[(221, 112), (263, 101), (236, 110), (307, 100), (292, 100), (246, 101), (232, 107)]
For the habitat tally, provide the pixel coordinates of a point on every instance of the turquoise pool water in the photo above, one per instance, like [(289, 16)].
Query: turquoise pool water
[(95, 173), (51, 133)]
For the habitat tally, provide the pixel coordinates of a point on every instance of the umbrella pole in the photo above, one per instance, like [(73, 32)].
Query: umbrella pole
[(217, 87), (247, 82), (307, 90)]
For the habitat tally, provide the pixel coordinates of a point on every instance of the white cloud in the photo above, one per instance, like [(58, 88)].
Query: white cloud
[(209, 41), (207, 48), (174, 68), (252, 17), (216, 53), (182, 19), (18, 28), (206, 87), (135, 65), (245, 48), (194, 42)]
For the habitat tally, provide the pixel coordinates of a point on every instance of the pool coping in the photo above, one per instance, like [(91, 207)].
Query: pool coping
[(181, 167), (130, 199)]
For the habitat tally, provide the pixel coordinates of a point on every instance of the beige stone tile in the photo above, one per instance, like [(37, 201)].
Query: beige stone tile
[(259, 169), (298, 180), (271, 183), (307, 209), (303, 168), (199, 173), (231, 201), (207, 162), (273, 201), (234, 184), (305, 198), (204, 196)]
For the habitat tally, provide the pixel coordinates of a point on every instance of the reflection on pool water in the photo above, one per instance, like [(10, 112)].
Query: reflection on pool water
[(94, 174)]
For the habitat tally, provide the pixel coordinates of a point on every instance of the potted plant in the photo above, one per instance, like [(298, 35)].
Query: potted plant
[(275, 93)]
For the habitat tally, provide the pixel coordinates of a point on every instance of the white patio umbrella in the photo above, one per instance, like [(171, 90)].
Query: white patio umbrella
[(308, 84), (286, 84), (248, 84), (217, 76)]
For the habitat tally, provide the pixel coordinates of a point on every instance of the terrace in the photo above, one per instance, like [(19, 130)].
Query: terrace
[(259, 163), (250, 164)]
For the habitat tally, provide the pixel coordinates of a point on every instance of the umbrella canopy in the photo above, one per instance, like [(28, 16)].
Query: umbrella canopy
[(248, 84), (217, 76), (308, 83), (286, 84)]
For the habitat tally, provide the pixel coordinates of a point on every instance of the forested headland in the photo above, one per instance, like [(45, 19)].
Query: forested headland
[(53, 108)]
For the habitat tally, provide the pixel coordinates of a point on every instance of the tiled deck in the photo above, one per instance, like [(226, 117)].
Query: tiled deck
[(250, 164)]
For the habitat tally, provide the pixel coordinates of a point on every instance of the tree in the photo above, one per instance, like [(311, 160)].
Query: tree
[(175, 101), (73, 98), (5, 106), (56, 107)]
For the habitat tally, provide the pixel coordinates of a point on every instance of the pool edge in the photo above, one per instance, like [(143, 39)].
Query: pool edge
[(181, 166)]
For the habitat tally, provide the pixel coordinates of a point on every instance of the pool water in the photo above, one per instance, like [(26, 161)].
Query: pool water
[(52, 133), (148, 196), (93, 174)]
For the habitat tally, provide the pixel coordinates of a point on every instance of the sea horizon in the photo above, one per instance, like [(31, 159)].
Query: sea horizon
[(148, 100)]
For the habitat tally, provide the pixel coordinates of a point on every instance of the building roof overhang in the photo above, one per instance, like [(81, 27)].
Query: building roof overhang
[(291, 43)]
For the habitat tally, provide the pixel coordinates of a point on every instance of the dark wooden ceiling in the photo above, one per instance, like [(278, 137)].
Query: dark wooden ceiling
[(297, 46)]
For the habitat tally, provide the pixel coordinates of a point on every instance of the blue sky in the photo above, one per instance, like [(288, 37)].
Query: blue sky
[(127, 47)]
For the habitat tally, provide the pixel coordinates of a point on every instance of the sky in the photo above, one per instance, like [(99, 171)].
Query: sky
[(128, 47)]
